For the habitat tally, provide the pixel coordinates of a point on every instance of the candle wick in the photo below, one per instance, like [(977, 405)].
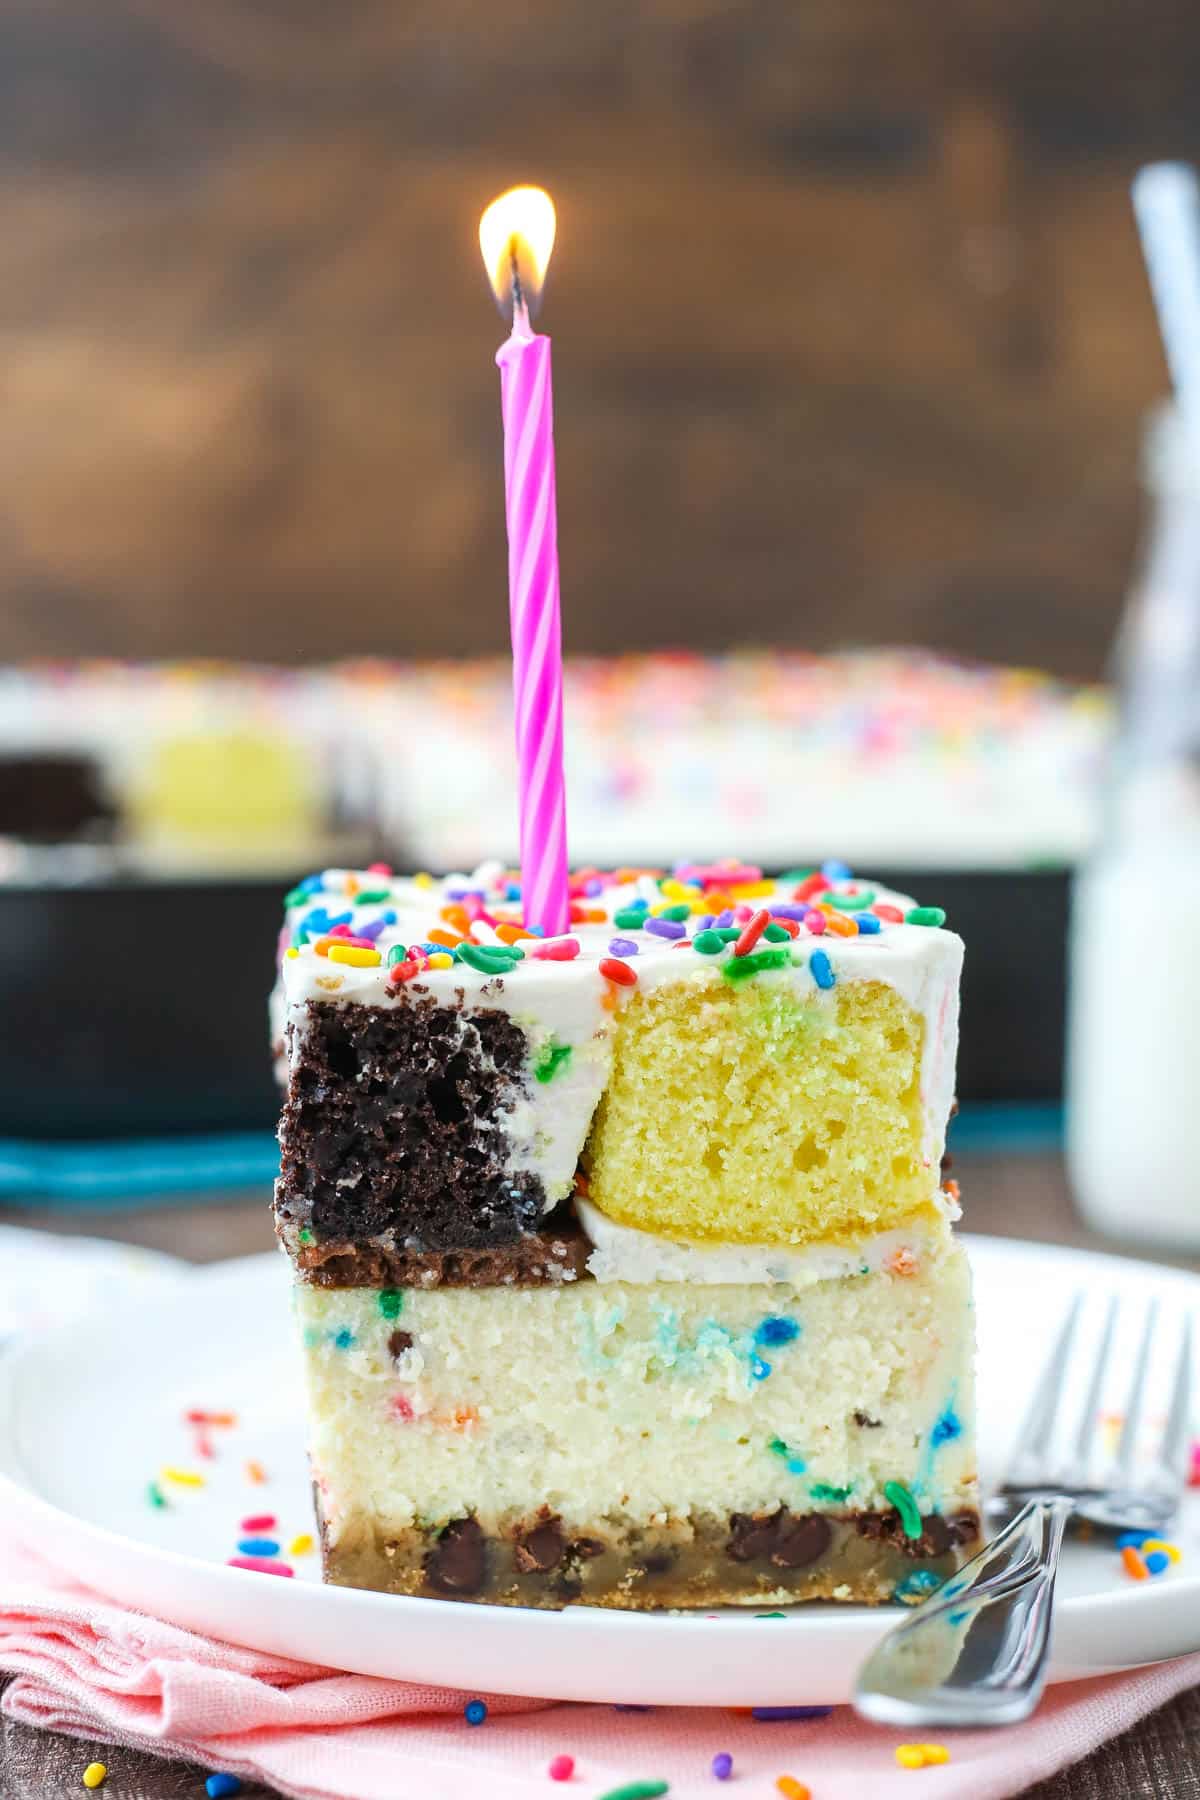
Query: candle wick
[(520, 322)]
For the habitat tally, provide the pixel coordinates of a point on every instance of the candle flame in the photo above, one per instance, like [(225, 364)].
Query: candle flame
[(516, 236)]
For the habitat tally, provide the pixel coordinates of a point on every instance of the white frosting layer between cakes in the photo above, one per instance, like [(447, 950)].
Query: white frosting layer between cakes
[(623, 1253)]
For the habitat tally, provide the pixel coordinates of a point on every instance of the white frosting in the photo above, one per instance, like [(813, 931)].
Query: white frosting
[(623, 1253), (566, 1004)]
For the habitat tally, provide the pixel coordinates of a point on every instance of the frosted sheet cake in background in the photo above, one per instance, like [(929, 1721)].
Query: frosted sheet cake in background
[(906, 758), (624, 1266)]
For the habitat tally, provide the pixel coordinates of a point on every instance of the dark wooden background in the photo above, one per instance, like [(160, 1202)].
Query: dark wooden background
[(852, 334)]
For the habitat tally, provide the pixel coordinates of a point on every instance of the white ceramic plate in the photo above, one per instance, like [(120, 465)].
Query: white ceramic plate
[(93, 1411), (48, 1279)]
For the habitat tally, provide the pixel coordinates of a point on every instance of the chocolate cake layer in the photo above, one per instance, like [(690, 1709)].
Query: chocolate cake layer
[(537, 1258), (743, 1558), (389, 1134)]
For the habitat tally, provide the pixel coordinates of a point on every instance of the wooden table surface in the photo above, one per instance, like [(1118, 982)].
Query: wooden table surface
[(1010, 1196)]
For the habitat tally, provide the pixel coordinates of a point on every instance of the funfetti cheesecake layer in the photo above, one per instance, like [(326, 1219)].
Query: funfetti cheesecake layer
[(726, 1059), (646, 1446)]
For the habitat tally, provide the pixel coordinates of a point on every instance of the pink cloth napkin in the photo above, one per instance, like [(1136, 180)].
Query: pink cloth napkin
[(85, 1665)]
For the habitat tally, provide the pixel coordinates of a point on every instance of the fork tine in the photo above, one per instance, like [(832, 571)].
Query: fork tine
[(1091, 1406), (1177, 1432), (1034, 1437), (1127, 1448)]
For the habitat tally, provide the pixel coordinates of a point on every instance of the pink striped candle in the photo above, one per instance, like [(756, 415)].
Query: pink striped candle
[(526, 403)]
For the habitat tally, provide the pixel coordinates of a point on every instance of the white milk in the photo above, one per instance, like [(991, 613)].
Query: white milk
[(1133, 1050), (1133, 1030)]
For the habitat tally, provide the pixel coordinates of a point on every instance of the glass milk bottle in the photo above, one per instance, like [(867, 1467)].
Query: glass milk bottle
[(1133, 1037)]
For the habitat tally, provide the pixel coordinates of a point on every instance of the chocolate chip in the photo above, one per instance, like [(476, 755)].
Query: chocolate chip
[(457, 1564), (964, 1526), (939, 1536), (865, 1422), (659, 1562), (936, 1538), (882, 1527), (582, 1549), (802, 1541), (541, 1549), (399, 1342), (790, 1541), (752, 1536)]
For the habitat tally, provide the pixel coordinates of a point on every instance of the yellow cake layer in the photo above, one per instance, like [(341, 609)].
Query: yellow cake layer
[(762, 1113)]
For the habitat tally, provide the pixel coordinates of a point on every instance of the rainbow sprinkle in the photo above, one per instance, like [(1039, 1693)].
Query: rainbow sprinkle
[(186, 1478), (777, 1715), (261, 1565), (921, 1756), (637, 1790), (925, 915), (906, 1506), (822, 969), (751, 932)]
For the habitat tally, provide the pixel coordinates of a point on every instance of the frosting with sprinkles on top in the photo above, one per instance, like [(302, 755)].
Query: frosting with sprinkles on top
[(361, 935)]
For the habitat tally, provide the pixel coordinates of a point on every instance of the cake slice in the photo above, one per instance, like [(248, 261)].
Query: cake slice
[(625, 1270)]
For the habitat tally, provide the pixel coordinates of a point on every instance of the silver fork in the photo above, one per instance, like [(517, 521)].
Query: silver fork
[(976, 1652)]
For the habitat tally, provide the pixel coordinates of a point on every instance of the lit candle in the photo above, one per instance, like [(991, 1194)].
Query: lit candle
[(516, 235)]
